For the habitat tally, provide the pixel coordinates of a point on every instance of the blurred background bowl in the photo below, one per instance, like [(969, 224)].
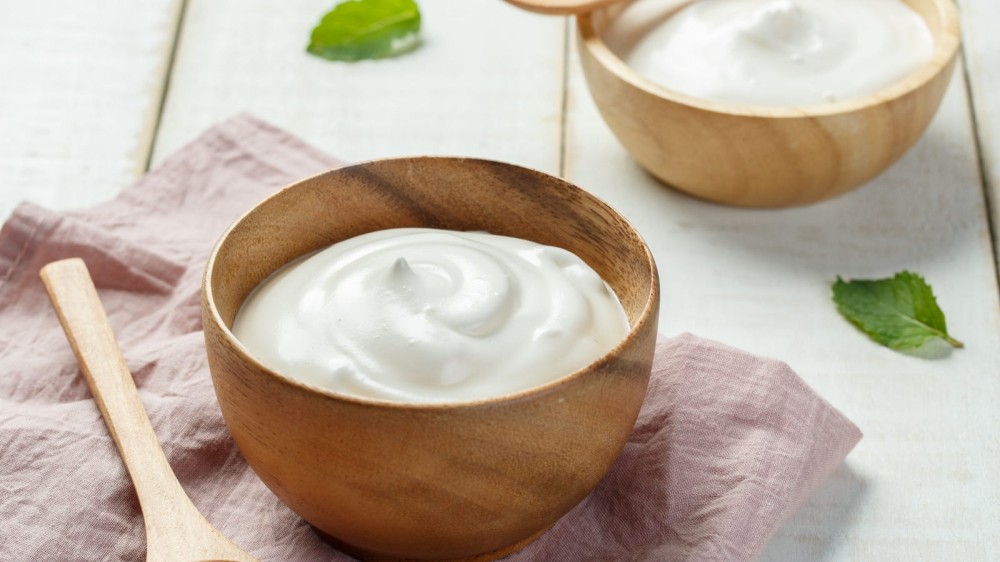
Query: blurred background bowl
[(764, 156), (394, 480)]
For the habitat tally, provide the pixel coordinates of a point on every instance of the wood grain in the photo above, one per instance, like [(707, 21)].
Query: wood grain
[(80, 99), (758, 156), (393, 480), (175, 530)]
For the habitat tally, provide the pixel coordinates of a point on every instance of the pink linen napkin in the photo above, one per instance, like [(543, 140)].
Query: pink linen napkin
[(727, 445)]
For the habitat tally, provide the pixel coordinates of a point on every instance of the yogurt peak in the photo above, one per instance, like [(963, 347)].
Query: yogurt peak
[(422, 315), (780, 52)]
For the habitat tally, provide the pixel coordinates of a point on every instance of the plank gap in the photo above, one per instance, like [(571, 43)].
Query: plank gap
[(165, 88), (984, 178), (564, 103)]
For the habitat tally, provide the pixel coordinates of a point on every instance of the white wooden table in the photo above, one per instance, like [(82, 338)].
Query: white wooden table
[(94, 93)]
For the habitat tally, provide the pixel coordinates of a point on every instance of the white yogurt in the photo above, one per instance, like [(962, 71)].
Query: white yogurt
[(425, 316), (777, 52)]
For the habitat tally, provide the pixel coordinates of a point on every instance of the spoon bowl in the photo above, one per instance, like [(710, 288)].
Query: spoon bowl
[(175, 530)]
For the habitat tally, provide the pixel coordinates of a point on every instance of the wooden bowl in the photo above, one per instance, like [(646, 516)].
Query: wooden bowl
[(762, 156), (389, 480)]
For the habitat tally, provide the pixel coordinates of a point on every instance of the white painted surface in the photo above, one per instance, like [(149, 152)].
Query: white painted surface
[(486, 82), (981, 42), (924, 484), (80, 86)]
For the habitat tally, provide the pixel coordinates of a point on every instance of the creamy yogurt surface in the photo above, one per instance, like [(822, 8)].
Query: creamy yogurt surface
[(431, 316), (777, 52)]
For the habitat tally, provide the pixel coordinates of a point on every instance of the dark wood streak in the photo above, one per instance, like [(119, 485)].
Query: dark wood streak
[(395, 190)]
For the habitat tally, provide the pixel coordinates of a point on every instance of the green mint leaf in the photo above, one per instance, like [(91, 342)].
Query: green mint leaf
[(899, 313), (366, 29)]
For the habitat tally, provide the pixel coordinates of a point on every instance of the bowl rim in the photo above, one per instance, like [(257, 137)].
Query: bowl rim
[(642, 324), (946, 45)]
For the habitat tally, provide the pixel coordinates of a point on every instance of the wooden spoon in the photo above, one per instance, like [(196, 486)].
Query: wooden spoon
[(561, 7), (175, 530)]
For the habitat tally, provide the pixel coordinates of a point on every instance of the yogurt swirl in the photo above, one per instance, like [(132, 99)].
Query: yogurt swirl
[(776, 52), (423, 315)]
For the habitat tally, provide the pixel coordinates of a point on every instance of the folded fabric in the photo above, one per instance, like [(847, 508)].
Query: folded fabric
[(727, 445)]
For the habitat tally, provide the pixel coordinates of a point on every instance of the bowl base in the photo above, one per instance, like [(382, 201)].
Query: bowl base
[(368, 556)]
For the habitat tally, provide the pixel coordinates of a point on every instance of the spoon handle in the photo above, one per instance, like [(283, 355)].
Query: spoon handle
[(561, 7), (175, 530)]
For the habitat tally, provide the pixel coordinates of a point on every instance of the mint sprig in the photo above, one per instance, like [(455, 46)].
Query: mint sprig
[(898, 312), (366, 29)]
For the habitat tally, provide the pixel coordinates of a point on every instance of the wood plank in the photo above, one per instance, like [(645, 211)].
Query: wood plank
[(922, 483), (81, 96), (487, 82), (981, 44)]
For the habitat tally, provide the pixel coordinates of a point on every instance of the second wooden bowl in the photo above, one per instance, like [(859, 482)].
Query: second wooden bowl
[(760, 156), (394, 480)]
